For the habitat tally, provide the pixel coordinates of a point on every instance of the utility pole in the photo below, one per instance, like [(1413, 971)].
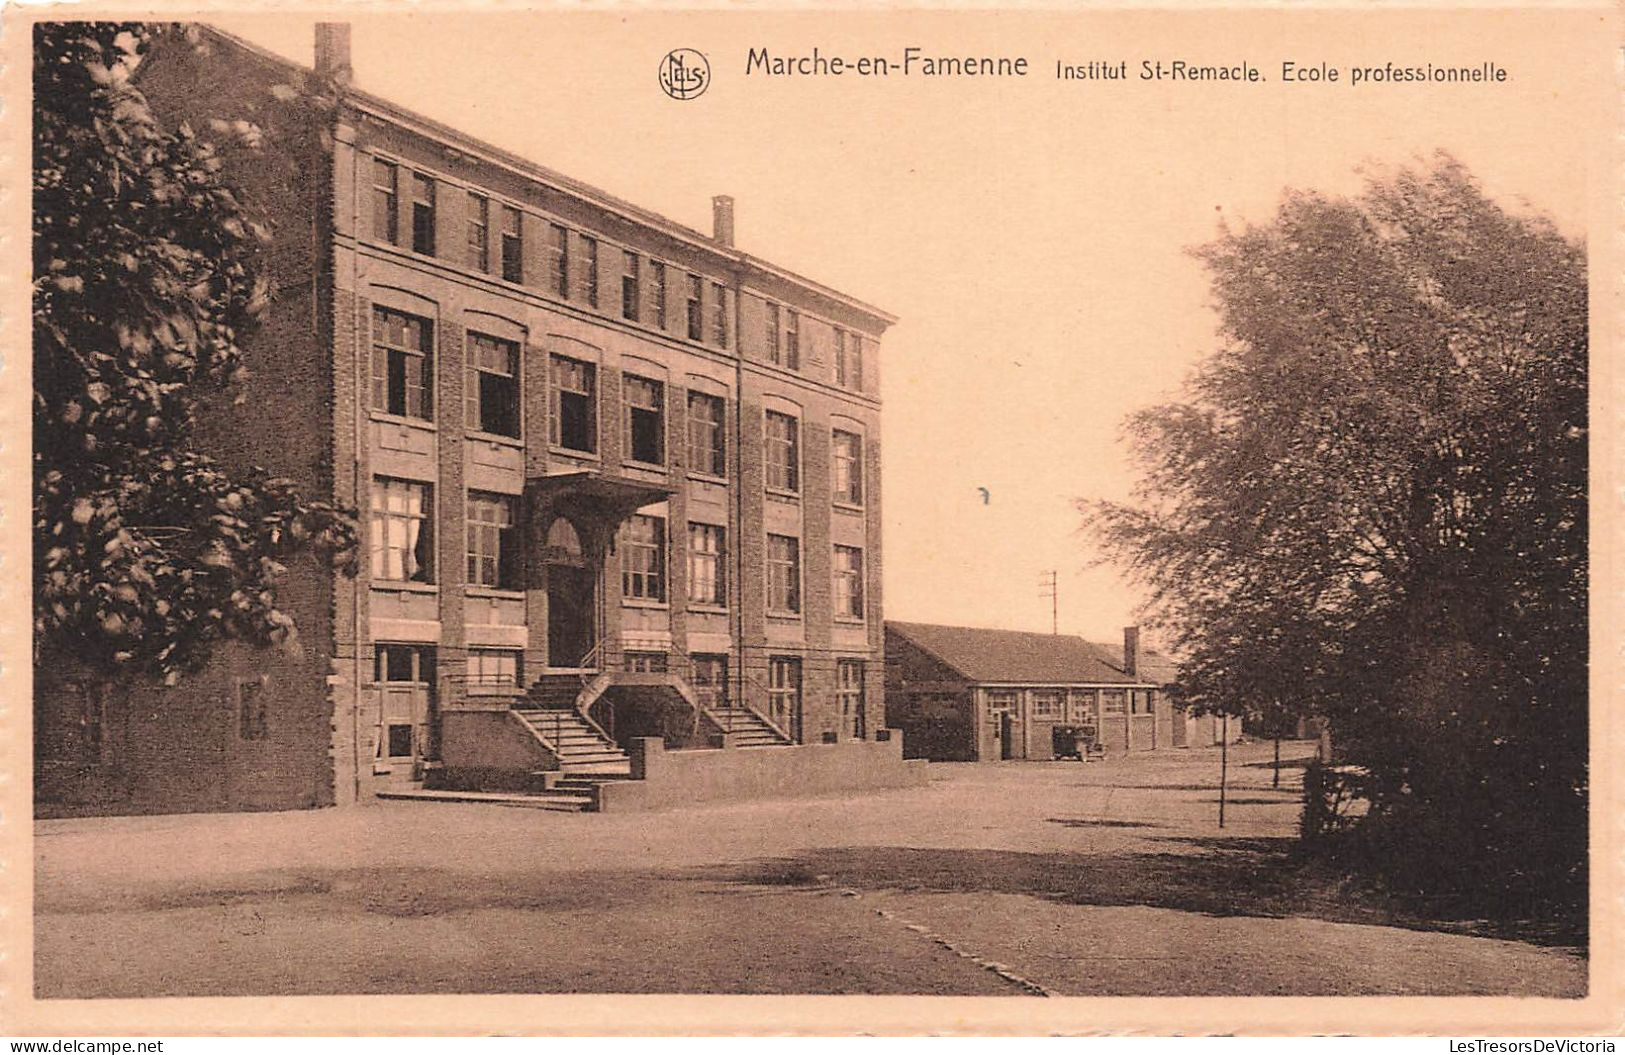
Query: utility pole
[(1224, 761), (1048, 586)]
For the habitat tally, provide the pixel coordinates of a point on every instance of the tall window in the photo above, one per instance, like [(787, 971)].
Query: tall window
[(792, 339), (783, 452), (775, 352), (784, 694), (422, 214), (493, 668), (707, 559), (573, 421), (513, 245), (719, 314), (783, 573), (492, 390), (479, 232), (711, 679), (846, 467), (849, 694), (402, 366), (657, 278), (645, 419), (848, 582), (559, 249), (629, 286), (385, 196), (589, 270), (643, 558), (402, 536), (696, 317), (493, 542), (707, 434)]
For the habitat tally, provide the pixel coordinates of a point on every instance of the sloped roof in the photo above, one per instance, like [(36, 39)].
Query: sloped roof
[(1016, 656)]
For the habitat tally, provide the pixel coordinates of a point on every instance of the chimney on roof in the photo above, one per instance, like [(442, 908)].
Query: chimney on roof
[(722, 219), (333, 53), (1131, 651)]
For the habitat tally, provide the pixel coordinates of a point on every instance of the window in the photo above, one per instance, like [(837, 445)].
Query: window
[(696, 318), (1000, 701), (629, 287), (707, 561), (573, 421), (493, 668), (493, 542), (792, 339), (479, 232), (645, 419), (400, 712), (513, 245), (589, 270), (560, 251), (719, 314), (402, 366), (643, 559), (846, 467), (422, 214), (1139, 701), (251, 708), (775, 353), (73, 729), (645, 662), (783, 573), (784, 694), (403, 664), (707, 434), (492, 395), (402, 531), (849, 694), (385, 191), (1113, 701), (783, 452), (848, 582), (657, 276), (1047, 703), (848, 360), (711, 680)]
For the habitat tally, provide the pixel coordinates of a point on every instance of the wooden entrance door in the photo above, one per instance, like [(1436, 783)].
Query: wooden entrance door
[(404, 683)]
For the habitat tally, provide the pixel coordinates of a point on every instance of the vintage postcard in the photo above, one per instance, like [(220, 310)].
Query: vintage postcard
[(811, 520)]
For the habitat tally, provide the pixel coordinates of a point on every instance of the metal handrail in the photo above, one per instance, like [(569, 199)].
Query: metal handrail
[(743, 704)]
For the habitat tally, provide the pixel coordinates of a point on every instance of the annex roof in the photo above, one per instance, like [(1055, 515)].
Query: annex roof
[(1019, 657)]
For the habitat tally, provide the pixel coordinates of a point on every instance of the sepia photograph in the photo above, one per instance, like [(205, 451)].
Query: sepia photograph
[(930, 503)]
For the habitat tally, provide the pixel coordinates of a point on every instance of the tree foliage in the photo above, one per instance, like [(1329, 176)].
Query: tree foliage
[(148, 277), (1371, 506)]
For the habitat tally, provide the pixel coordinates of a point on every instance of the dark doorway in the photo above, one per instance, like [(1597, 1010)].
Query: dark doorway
[(571, 615)]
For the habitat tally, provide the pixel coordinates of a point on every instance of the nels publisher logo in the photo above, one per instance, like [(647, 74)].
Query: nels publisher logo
[(684, 74)]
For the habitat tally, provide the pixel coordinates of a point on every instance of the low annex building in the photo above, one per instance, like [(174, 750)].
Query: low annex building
[(966, 694)]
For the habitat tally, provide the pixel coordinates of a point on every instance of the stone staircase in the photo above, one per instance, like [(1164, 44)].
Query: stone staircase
[(748, 729), (549, 710)]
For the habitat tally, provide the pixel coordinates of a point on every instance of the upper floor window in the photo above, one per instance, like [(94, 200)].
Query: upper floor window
[(573, 420), (707, 434), (707, 563), (848, 582), (783, 452), (630, 278), (589, 270), (493, 542), (783, 573), (846, 467), (479, 232), (792, 339), (696, 317), (645, 419), (513, 245), (385, 199), (402, 364), (775, 352), (657, 279), (643, 558), (492, 389), (422, 214), (402, 535), (854, 362), (559, 248), (719, 314)]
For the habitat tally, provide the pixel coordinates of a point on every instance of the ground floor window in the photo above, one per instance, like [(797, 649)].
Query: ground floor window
[(849, 693), (1000, 701), (711, 680), (493, 668), (1114, 702), (1082, 706), (1047, 703), (784, 694), (645, 662)]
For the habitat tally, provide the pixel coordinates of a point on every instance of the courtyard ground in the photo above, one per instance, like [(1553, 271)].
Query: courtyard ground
[(1110, 878)]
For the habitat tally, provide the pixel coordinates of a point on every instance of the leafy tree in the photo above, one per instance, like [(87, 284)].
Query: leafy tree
[(1371, 505), (147, 279)]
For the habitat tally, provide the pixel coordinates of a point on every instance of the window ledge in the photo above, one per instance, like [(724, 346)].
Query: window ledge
[(496, 438), (571, 452), (788, 617), (398, 419), (851, 620), (638, 602), (498, 592), (848, 507), (647, 467), (404, 587), (788, 496), (707, 478), (709, 609)]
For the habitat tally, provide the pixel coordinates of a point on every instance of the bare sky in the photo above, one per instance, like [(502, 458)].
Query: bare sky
[(1030, 232)]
